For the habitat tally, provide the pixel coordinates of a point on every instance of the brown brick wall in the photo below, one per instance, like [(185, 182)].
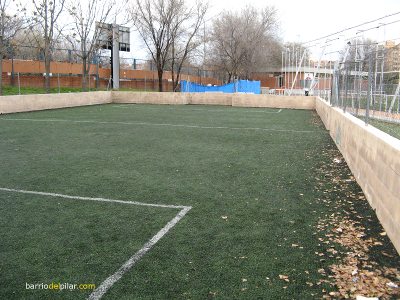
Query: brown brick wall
[(31, 75)]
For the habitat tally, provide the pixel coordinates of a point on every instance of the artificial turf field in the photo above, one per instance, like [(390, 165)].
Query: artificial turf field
[(249, 176)]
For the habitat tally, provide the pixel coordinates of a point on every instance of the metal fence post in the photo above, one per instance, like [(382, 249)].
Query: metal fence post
[(19, 85), (346, 86), (369, 92), (58, 81)]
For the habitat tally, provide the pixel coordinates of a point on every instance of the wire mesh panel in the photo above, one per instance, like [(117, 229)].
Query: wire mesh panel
[(362, 85)]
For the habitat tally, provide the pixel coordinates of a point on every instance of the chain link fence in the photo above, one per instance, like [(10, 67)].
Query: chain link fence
[(23, 67), (366, 86)]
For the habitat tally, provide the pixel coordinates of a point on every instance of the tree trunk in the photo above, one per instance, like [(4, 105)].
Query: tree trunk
[(229, 77), (84, 74), (177, 79), (1, 51), (1, 72), (47, 76), (177, 82), (160, 76), (46, 51), (173, 77), (47, 60)]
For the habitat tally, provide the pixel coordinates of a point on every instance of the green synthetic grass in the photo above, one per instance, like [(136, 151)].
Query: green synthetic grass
[(54, 240), (391, 128), (253, 194)]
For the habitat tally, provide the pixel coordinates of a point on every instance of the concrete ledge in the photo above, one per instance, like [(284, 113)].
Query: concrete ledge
[(374, 159), (244, 100), (12, 104), (209, 98), (294, 102), (148, 98), (21, 103)]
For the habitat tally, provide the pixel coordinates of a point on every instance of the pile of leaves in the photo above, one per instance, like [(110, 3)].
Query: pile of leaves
[(365, 262), (357, 273)]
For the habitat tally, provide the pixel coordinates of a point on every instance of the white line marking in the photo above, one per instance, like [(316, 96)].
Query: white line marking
[(91, 199), (159, 124), (109, 282), (112, 279)]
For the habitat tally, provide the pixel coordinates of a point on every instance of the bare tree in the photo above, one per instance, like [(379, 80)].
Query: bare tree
[(154, 21), (46, 14), (185, 37), (85, 32), (240, 39), (10, 25), (29, 44), (294, 51)]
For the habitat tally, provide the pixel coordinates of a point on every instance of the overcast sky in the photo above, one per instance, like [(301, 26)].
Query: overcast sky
[(306, 20), (302, 21)]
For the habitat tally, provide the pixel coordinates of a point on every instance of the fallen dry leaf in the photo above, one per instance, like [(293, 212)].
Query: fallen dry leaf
[(284, 277)]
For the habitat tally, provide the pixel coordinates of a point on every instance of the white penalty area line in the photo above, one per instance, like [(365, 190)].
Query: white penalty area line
[(159, 124), (112, 279)]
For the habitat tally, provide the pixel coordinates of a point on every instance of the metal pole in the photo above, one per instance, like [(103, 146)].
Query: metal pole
[(19, 85), (97, 73), (297, 72), (115, 57), (291, 57), (369, 94), (381, 78), (284, 87), (330, 81), (58, 82), (336, 82), (398, 106), (281, 70), (12, 70), (293, 54), (346, 83), (375, 77)]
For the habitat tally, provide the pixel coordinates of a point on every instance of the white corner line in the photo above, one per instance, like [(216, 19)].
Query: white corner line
[(112, 279), (91, 199)]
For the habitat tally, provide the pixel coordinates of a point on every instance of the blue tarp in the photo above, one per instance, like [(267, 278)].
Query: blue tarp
[(240, 86)]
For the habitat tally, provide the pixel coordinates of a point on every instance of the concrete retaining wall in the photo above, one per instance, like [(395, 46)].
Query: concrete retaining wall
[(21, 103), (172, 98), (10, 104), (374, 159), (148, 98), (209, 98), (296, 102), (244, 100)]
